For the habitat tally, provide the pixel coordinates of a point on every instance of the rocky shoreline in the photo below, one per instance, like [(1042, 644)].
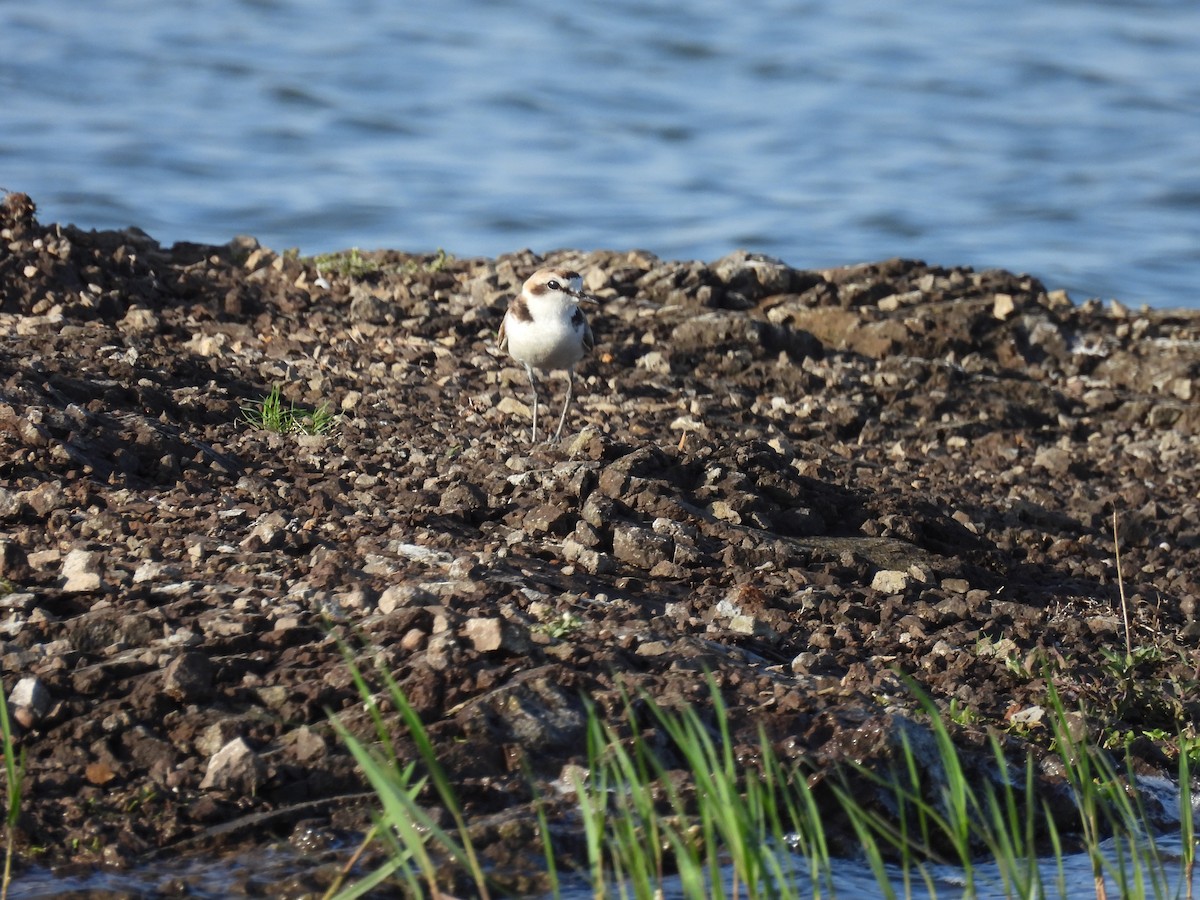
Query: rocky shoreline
[(805, 482)]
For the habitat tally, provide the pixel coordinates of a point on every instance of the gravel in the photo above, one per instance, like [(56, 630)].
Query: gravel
[(807, 483)]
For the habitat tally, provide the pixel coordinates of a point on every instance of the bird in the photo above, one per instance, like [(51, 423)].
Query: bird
[(544, 328)]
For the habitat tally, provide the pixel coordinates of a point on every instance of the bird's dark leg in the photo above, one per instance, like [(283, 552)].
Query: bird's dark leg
[(566, 405), (533, 387)]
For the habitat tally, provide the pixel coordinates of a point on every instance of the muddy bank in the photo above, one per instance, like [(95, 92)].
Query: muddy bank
[(805, 482)]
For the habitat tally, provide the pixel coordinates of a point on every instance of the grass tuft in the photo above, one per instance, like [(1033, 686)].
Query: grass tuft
[(270, 413), (751, 825), (349, 263), (405, 828), (353, 263)]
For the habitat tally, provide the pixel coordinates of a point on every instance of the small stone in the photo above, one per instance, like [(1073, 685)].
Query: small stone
[(1030, 716), (485, 634), (31, 694), (304, 745), (641, 547), (891, 581), (401, 595), (99, 773), (235, 767), (1054, 460), (365, 306), (955, 585), (414, 639), (591, 561), (138, 320), (156, 572), (655, 361), (743, 624), (548, 519), (189, 677), (357, 599), (921, 572), (653, 648), (1003, 306), (804, 662), (216, 736), (725, 512), (14, 565), (20, 602), (81, 571), (955, 608), (669, 570), (268, 534)]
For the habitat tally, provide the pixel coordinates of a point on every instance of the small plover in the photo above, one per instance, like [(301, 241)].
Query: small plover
[(544, 328)]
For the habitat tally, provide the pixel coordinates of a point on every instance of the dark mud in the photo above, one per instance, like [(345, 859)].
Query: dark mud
[(807, 483)]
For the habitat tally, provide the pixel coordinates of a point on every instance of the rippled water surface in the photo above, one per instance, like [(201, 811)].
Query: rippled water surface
[(851, 880), (1059, 137)]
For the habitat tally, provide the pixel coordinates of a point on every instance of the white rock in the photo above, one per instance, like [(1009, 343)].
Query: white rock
[(235, 767), (485, 634), (81, 571), (891, 581), (1003, 306), (31, 694)]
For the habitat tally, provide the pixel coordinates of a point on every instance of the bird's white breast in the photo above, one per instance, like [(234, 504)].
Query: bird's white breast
[(552, 340)]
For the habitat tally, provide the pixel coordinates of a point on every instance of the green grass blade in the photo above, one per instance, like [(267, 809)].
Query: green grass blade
[(14, 786), (1187, 818)]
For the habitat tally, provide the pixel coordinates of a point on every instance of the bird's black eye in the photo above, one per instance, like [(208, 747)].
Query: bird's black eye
[(554, 285)]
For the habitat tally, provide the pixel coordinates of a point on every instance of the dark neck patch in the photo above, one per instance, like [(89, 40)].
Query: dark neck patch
[(577, 319), (519, 309)]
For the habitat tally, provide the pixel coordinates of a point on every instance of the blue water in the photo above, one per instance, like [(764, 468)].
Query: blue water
[(851, 880), (1058, 137)]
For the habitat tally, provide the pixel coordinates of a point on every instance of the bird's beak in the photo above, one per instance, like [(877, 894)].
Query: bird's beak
[(586, 298)]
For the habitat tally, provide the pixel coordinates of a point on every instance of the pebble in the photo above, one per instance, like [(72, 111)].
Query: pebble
[(851, 418), (189, 677), (81, 572), (485, 634), (30, 697), (235, 768), (890, 581)]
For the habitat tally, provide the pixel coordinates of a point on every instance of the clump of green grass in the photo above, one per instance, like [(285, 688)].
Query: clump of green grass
[(353, 263), (14, 781), (440, 260), (270, 413), (348, 264), (757, 830), (730, 830), (405, 828), (560, 625)]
